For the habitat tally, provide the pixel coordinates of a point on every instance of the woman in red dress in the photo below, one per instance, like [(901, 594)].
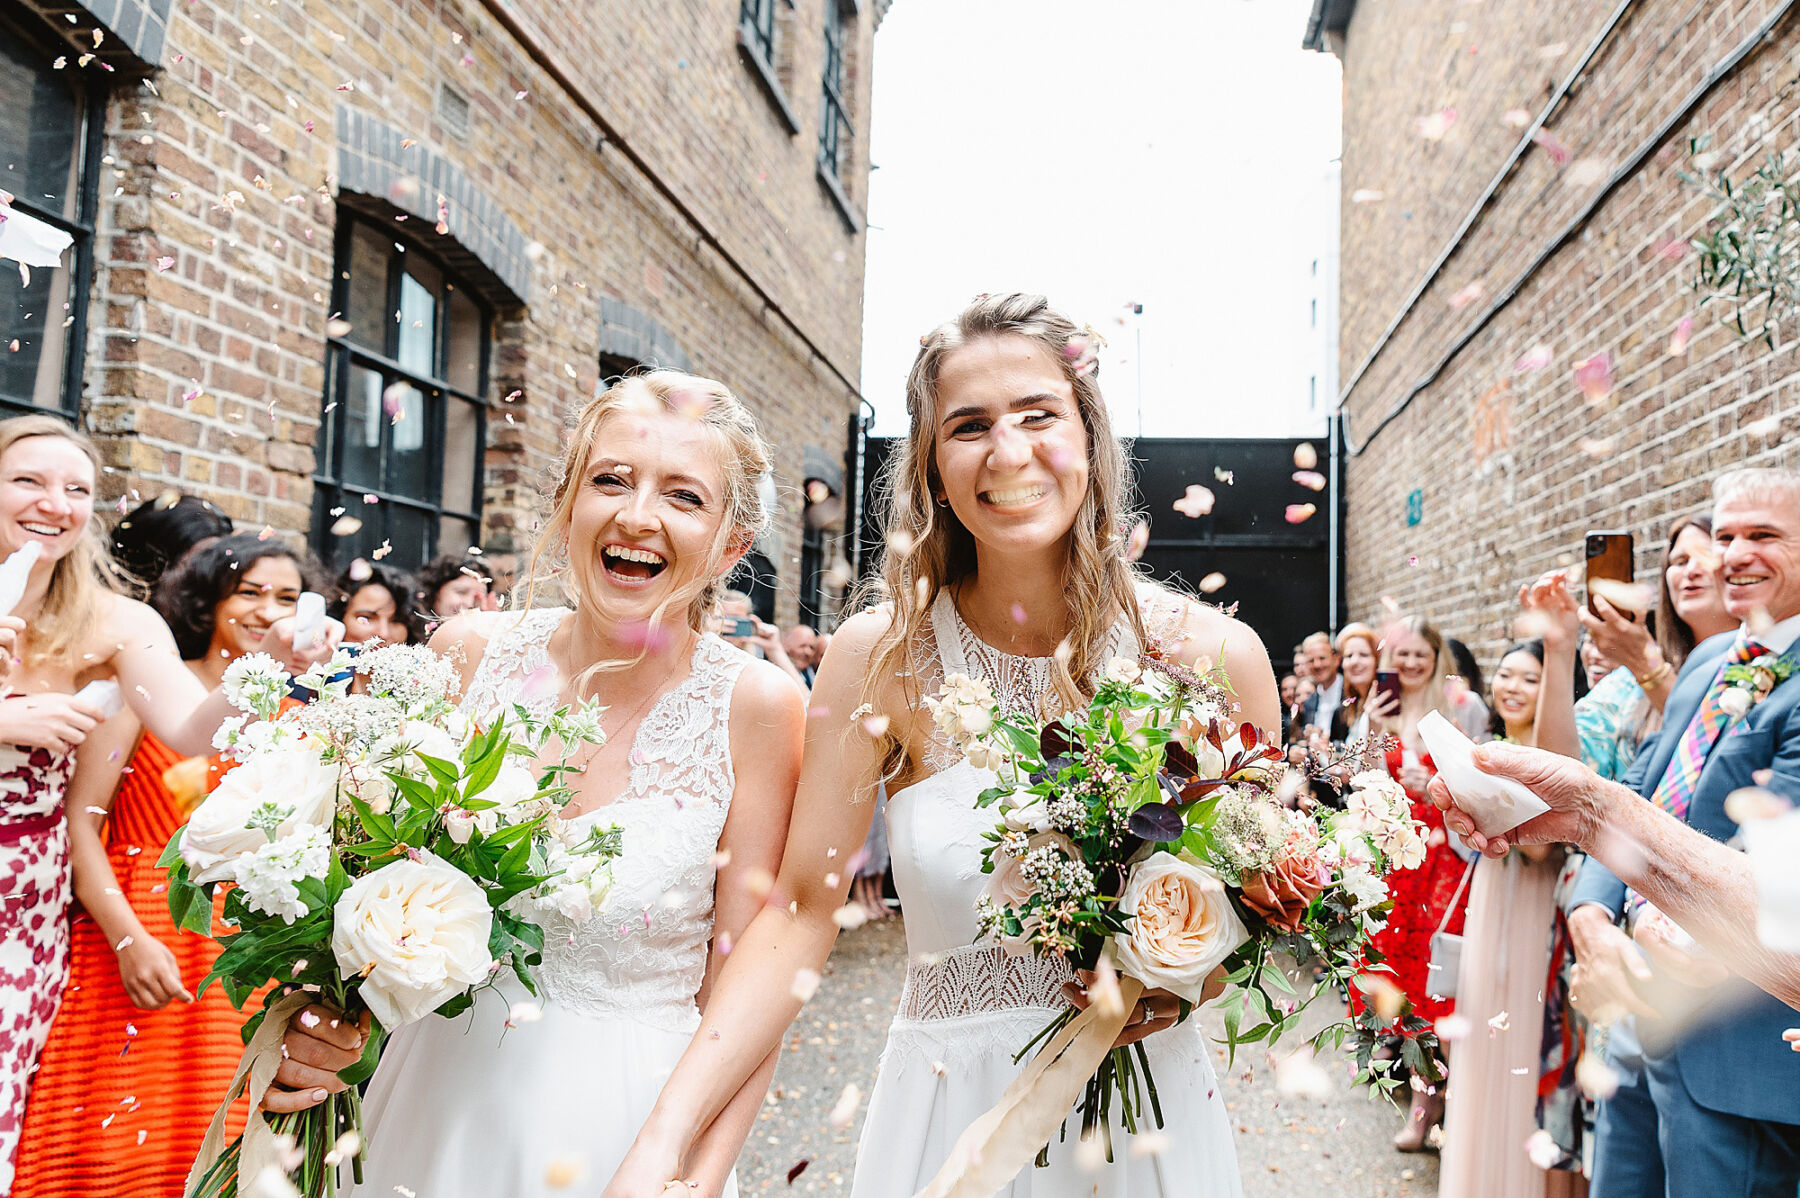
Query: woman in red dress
[(1426, 898), (135, 1065)]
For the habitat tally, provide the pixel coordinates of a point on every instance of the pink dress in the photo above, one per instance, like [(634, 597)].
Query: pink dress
[(35, 892)]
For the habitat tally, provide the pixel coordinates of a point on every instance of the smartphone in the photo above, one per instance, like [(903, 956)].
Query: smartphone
[(1388, 682), (740, 626), (1609, 560)]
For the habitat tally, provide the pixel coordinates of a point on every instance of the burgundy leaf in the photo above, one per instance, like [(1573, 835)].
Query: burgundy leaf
[(1199, 790), (1180, 761), (1247, 734), (1054, 741), (798, 1168), (1157, 822)]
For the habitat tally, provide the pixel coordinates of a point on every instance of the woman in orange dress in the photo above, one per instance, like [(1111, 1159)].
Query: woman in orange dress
[(135, 1065)]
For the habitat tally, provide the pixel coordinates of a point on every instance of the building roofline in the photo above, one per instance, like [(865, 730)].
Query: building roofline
[(1326, 24)]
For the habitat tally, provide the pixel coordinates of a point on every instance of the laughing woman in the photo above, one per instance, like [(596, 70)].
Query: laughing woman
[(657, 501), (1008, 495)]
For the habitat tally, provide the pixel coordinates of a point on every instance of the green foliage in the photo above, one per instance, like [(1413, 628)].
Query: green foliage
[(1749, 253)]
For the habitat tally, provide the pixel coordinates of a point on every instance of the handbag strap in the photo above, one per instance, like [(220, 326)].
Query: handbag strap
[(1456, 898)]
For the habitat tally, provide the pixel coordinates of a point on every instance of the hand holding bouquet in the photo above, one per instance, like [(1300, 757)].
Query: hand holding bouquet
[(384, 854), (1147, 835)]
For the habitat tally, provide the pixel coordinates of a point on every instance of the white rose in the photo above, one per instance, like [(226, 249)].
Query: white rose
[(1364, 887), (1735, 702), (1123, 669), (458, 825), (573, 903), (1182, 924), (284, 789), (417, 933), (1025, 812)]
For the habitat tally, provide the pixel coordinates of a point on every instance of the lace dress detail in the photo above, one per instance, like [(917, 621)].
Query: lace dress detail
[(617, 1002), (981, 977)]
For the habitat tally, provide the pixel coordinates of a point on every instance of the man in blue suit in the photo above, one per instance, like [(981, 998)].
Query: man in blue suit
[(1720, 1106)]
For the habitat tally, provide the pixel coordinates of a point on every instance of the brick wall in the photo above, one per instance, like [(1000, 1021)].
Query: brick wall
[(1514, 465), (207, 340)]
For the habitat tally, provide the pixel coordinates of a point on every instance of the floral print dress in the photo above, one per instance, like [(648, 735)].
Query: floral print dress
[(35, 893)]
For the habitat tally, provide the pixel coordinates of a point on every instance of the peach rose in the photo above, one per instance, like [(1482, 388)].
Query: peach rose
[(1182, 924), (1281, 895)]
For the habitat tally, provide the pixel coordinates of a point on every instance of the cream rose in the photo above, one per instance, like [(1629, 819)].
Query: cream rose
[(266, 798), (1182, 924), (1736, 702), (417, 933)]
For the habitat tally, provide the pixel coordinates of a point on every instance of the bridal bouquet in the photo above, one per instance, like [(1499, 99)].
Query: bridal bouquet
[(382, 853), (1146, 838)]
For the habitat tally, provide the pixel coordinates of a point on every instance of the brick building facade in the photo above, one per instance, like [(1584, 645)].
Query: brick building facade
[(361, 262), (1515, 207)]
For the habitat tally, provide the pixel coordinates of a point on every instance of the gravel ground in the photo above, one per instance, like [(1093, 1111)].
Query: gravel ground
[(1288, 1147)]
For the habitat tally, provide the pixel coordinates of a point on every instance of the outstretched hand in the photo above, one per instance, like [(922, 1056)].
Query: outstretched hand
[(1578, 799), (1551, 612), (278, 642)]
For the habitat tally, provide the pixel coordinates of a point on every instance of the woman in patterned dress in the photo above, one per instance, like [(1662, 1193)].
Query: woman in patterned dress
[(79, 630), (130, 1025)]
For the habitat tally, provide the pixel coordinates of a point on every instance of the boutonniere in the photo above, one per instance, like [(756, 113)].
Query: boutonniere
[(1749, 683)]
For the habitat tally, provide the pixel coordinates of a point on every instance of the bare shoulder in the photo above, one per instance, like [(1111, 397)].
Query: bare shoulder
[(464, 638), (766, 697), (857, 637), (1201, 636)]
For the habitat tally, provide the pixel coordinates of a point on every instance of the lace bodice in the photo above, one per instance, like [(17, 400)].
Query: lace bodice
[(643, 954)]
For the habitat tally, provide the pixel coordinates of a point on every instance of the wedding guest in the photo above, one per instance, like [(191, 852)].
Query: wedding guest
[(764, 640), (1321, 665), (79, 628), (1726, 1096), (1465, 672), (132, 975), (503, 572), (1606, 729), (1432, 897), (1359, 654), (374, 601), (1595, 665), (801, 643), (1493, 1100), (155, 535), (1289, 683), (450, 584)]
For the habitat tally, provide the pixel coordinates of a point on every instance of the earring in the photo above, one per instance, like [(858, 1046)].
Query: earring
[(942, 502)]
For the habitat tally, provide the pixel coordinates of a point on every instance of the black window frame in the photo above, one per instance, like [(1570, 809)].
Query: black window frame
[(332, 495), (758, 41), (94, 96), (836, 130)]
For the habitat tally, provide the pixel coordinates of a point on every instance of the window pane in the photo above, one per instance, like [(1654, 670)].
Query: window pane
[(362, 429), (454, 535), (462, 454), (360, 543), (406, 532), (33, 316), (40, 131), (419, 288), (366, 307), (463, 370), (409, 468)]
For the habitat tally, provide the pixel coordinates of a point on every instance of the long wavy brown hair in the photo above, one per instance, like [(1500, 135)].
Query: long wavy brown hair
[(929, 549), (74, 606)]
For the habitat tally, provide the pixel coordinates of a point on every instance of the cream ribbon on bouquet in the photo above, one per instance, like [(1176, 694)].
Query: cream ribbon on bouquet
[(1002, 1143), (255, 1072)]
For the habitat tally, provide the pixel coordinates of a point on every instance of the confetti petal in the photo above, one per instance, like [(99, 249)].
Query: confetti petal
[(845, 1109), (1595, 378), (1535, 358), (1197, 501), (1306, 456), (1678, 340), (1299, 513), (1312, 480), (806, 984), (1211, 583)]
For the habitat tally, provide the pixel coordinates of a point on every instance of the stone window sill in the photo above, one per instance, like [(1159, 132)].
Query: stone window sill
[(833, 188)]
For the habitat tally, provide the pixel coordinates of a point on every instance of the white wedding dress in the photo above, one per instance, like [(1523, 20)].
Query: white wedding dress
[(470, 1108), (967, 1007)]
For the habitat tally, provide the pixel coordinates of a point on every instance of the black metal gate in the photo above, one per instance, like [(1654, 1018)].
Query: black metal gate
[(1278, 573)]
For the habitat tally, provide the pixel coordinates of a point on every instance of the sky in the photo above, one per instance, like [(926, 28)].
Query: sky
[(1170, 153)]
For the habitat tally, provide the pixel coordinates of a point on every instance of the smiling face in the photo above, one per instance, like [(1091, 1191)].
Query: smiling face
[(1414, 660), (463, 593), (46, 496), (1010, 447), (1516, 685), (647, 519), (1321, 662), (1359, 664), (264, 592), (1595, 663), (1696, 590), (372, 615), (1758, 539)]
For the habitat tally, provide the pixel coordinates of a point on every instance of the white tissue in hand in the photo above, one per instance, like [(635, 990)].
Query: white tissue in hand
[(14, 572), (1773, 845), (1496, 805), (105, 695), (309, 619)]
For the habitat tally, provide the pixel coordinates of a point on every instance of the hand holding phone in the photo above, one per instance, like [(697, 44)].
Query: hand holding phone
[(1609, 572), (743, 626)]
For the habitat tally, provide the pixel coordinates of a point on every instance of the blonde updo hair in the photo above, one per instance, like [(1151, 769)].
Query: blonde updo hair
[(929, 549), (743, 456), (81, 581)]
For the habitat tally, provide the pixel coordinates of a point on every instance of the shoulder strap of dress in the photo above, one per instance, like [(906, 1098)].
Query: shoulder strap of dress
[(946, 634), (520, 641)]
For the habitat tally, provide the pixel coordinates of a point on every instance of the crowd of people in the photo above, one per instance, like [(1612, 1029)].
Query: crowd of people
[(1585, 1044)]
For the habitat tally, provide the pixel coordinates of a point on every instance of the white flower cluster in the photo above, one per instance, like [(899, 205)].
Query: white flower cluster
[(256, 683), (1377, 806), (267, 878), (964, 712), (1249, 831), (421, 681), (1056, 875), (580, 885), (356, 725)]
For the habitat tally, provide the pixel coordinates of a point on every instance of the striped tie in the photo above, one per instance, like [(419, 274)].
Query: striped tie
[(1676, 790)]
